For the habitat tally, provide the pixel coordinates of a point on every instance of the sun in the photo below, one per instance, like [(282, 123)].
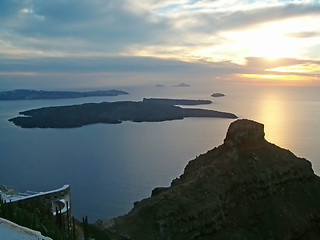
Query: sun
[(272, 40), (268, 42)]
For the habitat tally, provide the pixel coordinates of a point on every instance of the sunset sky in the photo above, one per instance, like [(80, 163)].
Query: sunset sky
[(82, 43)]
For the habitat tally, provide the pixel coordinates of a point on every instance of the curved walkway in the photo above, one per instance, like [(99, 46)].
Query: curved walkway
[(12, 231)]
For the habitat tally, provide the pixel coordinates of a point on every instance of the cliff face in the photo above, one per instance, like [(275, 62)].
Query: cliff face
[(247, 188)]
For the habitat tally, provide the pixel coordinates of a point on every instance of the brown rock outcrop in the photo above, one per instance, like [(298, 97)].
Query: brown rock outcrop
[(247, 188)]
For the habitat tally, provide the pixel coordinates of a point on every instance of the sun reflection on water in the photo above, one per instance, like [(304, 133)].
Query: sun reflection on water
[(275, 116)]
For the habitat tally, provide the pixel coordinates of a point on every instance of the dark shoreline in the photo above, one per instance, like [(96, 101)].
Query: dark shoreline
[(111, 113), (23, 94)]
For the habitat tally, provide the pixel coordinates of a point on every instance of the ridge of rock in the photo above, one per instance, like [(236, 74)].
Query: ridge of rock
[(245, 133), (247, 188)]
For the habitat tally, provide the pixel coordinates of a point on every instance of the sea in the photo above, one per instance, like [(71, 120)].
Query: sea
[(111, 166)]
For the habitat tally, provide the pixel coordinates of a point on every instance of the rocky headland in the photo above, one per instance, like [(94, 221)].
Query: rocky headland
[(247, 188)]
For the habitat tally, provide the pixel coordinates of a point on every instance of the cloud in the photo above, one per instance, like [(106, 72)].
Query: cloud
[(138, 36), (217, 21), (114, 27), (254, 65), (284, 71), (310, 68), (11, 8), (303, 34), (97, 64), (116, 71), (92, 25)]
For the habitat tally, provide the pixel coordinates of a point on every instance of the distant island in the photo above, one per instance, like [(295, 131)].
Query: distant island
[(24, 94), (182, 85), (110, 112), (160, 85), (217, 95)]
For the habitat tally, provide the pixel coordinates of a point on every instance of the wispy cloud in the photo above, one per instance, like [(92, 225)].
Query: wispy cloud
[(303, 34)]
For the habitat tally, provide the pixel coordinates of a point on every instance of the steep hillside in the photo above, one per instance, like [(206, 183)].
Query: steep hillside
[(247, 188)]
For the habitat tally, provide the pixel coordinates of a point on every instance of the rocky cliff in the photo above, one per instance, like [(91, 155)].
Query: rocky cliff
[(247, 188)]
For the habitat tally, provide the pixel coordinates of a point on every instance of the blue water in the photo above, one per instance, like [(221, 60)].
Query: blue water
[(109, 167)]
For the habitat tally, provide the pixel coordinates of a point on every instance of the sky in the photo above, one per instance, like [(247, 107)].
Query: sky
[(90, 43)]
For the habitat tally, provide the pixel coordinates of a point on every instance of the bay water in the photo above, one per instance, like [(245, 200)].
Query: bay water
[(110, 166)]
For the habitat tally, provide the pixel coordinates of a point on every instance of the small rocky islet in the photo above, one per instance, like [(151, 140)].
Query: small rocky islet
[(217, 95)]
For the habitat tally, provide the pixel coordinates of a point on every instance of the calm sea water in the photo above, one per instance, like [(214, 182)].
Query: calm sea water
[(111, 166)]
